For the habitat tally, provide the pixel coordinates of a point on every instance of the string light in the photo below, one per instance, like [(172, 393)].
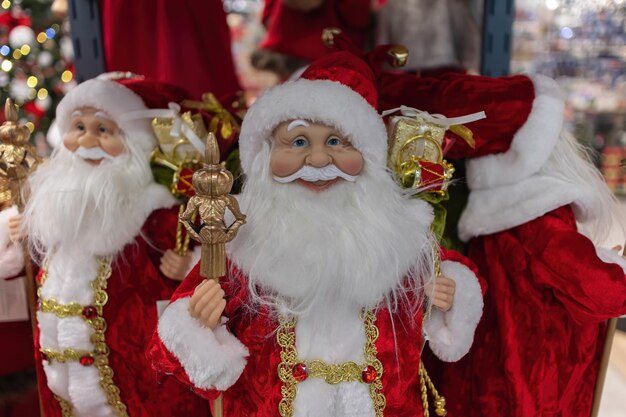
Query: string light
[(5, 50), (30, 126), (17, 54), (67, 76), (6, 4), (50, 33), (42, 94), (25, 49), (41, 37), (6, 65), (31, 81)]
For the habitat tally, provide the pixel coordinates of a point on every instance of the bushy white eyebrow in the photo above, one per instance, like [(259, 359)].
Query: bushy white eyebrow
[(296, 123), (77, 113), (102, 115)]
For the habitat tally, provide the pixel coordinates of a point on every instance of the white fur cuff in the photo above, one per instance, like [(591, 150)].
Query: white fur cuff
[(611, 257), (450, 334), (531, 145), (211, 359), (11, 261)]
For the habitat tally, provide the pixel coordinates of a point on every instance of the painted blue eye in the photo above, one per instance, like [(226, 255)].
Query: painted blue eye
[(300, 142), (333, 141)]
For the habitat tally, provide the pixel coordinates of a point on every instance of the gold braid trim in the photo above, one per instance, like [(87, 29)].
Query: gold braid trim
[(100, 354), (331, 373), (66, 408), (440, 401), (376, 387)]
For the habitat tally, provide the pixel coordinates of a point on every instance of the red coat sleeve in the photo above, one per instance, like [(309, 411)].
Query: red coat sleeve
[(162, 360), (567, 263)]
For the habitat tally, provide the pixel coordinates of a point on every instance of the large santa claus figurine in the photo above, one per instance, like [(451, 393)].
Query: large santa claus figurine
[(536, 210), (320, 313), (106, 232)]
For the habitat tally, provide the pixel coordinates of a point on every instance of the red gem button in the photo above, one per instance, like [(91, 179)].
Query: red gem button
[(86, 360), (89, 313), (369, 374), (299, 372)]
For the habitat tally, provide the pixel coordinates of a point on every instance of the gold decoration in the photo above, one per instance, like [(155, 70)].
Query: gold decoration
[(66, 407), (67, 355), (60, 310), (331, 373), (415, 154), (5, 193), (440, 401), (212, 185), (212, 105), (399, 55), (17, 156), (328, 36), (100, 354)]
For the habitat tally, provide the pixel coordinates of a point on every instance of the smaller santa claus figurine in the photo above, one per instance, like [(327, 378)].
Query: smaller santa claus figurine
[(106, 232), (321, 311)]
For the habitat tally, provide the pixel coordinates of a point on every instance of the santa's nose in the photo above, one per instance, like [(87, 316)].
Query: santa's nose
[(88, 140), (318, 159)]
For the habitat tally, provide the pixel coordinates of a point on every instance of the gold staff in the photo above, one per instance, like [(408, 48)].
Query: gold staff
[(212, 184)]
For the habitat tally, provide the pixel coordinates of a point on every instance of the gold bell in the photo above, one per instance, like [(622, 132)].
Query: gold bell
[(399, 55), (328, 36)]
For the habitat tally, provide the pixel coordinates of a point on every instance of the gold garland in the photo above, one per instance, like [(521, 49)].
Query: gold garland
[(370, 372), (93, 315)]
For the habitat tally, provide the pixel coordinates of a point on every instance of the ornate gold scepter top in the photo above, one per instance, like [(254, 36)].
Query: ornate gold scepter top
[(17, 156), (212, 183)]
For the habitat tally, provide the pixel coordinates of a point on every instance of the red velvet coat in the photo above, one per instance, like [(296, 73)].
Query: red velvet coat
[(257, 392), (548, 287), (133, 289)]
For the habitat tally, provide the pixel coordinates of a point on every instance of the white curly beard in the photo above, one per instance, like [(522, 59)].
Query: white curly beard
[(359, 244), (87, 209)]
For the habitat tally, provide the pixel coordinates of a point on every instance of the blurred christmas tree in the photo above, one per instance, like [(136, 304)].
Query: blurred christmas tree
[(35, 62)]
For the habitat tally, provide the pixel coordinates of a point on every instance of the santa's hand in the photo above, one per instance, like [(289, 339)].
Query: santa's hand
[(207, 303), (15, 233), (175, 266), (443, 295)]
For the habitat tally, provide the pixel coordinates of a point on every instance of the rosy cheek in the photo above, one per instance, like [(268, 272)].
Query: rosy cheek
[(113, 145), (70, 141), (283, 163), (351, 163)]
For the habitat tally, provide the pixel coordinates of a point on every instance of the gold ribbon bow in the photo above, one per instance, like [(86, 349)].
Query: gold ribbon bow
[(210, 104)]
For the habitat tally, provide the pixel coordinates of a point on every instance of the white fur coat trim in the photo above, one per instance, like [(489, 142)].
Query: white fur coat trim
[(501, 208), (156, 196), (451, 334), (211, 359), (611, 257), (531, 145), (11, 256)]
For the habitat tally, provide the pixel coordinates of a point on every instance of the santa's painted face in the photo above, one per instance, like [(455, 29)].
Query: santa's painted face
[(312, 154), (93, 136)]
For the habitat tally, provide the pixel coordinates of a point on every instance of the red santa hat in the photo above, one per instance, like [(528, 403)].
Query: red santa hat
[(299, 33), (119, 95), (524, 119), (338, 90)]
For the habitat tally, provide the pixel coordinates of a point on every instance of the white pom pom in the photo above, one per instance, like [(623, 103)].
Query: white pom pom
[(21, 35), (45, 59)]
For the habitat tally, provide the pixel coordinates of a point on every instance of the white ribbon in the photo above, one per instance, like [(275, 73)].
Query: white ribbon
[(437, 119), (178, 124)]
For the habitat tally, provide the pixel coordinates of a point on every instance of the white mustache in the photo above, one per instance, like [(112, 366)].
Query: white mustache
[(92, 153), (312, 174)]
